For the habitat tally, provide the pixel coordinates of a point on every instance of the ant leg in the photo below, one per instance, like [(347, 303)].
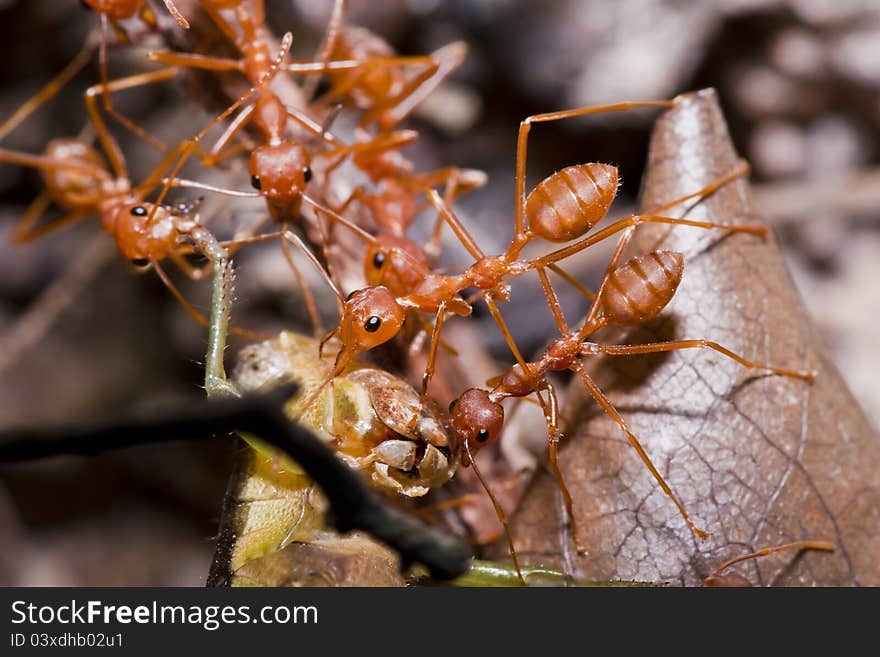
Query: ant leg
[(49, 163), (442, 63), (798, 545), (656, 347), (24, 232), (455, 224), (105, 90), (191, 311), (325, 338), (296, 240), (551, 415), (508, 336), (109, 144), (235, 244), (432, 355), (419, 341), (334, 28), (631, 222), (203, 62), (502, 518), (553, 302), (193, 272), (308, 298), (740, 171), (609, 409), (385, 142), (571, 280), (52, 87), (468, 498), (525, 126), (456, 182)]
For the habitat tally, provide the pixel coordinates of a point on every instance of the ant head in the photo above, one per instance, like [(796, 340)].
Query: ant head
[(396, 262), (476, 419), (114, 9), (281, 173), (370, 317), (138, 236)]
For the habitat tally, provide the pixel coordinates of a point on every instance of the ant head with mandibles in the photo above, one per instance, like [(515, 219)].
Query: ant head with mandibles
[(281, 172), (477, 419), (370, 317)]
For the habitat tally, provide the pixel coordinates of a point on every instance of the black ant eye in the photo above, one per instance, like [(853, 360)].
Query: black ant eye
[(372, 324), (255, 182), (140, 262), (138, 211), (483, 435), (307, 173), (378, 259), (452, 406)]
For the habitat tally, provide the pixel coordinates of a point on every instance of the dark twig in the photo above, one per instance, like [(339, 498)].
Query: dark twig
[(354, 506)]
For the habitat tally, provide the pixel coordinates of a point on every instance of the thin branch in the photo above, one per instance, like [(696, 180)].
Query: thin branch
[(354, 505)]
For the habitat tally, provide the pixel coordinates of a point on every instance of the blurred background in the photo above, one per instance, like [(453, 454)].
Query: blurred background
[(799, 81)]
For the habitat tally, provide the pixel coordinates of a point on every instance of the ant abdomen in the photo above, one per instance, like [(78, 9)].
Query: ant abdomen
[(566, 205), (75, 189), (476, 419), (640, 289)]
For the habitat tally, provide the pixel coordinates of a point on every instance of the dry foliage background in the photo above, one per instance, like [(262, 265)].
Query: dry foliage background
[(798, 83)]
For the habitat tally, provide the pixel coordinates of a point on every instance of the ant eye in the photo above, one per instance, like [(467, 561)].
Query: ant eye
[(452, 406), (138, 211), (483, 435), (378, 259), (140, 262), (255, 182), (307, 173), (372, 324)]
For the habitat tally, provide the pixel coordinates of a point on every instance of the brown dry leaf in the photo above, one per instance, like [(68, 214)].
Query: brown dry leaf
[(757, 460)]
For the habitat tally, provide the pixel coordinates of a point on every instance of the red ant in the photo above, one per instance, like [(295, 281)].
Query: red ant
[(380, 85), (631, 294), (721, 579), (281, 168), (145, 233), (562, 207)]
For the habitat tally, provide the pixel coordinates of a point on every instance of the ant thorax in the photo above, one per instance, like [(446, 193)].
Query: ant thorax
[(366, 414)]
